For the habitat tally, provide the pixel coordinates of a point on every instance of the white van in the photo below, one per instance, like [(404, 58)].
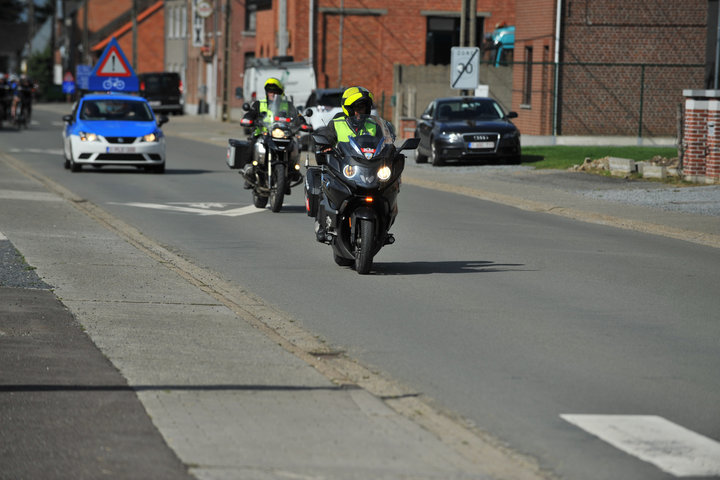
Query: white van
[(297, 77)]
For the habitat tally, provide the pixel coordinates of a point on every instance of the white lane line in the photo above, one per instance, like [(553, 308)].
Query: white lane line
[(671, 447), (2, 237), (233, 212)]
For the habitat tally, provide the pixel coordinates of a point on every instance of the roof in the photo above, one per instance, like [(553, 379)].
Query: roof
[(111, 96), (128, 26)]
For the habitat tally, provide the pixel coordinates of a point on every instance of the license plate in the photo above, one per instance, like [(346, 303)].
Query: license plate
[(120, 149), (481, 145), (155, 103)]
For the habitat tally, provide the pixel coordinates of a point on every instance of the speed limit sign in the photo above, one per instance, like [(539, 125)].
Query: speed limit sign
[(464, 67)]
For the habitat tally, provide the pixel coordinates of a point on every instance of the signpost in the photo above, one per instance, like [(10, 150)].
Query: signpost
[(464, 67), (68, 84), (112, 72)]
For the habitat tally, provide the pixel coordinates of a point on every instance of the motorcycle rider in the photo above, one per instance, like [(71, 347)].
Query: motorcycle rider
[(258, 111), (356, 101), (357, 104)]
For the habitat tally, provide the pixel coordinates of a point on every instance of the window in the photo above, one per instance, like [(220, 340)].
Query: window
[(527, 82), (443, 33)]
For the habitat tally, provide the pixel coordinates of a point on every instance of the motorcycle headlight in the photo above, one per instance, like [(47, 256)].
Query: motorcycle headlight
[(88, 137), (278, 133), (384, 173), (349, 171)]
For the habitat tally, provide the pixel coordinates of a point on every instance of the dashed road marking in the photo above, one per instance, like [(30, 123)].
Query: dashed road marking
[(29, 195), (671, 447), (51, 151), (200, 208)]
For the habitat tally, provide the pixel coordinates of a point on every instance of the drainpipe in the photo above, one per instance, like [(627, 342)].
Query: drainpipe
[(558, 18)]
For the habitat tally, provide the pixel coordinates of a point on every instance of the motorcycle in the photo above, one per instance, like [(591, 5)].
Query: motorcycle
[(352, 192), (274, 165)]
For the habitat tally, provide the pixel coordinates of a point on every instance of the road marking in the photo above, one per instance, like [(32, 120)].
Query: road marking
[(197, 208), (2, 237), (671, 447)]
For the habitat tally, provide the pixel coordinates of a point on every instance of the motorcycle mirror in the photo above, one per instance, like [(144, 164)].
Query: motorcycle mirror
[(410, 144), (309, 112), (321, 141), (246, 106)]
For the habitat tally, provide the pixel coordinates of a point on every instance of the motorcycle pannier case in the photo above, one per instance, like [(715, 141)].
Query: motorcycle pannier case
[(312, 190), (238, 153)]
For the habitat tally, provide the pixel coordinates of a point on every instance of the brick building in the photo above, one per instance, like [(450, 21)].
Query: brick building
[(608, 67), (86, 27), (374, 35)]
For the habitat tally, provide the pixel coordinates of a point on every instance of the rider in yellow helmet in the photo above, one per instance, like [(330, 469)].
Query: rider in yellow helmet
[(259, 109), (356, 102)]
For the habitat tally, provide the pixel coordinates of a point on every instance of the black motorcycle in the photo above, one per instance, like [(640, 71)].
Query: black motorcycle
[(352, 193), (274, 168)]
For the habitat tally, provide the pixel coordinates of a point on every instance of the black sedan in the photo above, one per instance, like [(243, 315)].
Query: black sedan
[(467, 129)]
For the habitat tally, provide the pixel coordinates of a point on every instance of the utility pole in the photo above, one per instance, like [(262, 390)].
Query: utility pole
[(282, 28), (86, 35), (134, 34)]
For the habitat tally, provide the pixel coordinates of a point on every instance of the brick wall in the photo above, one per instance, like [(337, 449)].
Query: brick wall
[(695, 137), (609, 99)]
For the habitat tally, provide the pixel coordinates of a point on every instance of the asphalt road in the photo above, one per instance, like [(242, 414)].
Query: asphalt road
[(513, 319)]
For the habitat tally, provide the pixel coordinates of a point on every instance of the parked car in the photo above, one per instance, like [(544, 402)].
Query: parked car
[(465, 129), (113, 129), (164, 91)]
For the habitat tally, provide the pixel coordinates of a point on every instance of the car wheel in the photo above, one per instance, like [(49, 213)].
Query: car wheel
[(75, 167), (67, 159), (434, 156)]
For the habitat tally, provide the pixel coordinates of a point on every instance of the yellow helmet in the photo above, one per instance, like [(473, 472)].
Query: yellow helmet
[(352, 95), (272, 84)]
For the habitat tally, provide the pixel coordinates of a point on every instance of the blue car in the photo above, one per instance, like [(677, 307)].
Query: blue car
[(114, 129)]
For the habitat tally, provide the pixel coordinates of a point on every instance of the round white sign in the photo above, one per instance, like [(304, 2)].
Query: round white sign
[(204, 9)]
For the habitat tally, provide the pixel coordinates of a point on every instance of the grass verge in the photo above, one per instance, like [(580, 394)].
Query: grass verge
[(563, 157)]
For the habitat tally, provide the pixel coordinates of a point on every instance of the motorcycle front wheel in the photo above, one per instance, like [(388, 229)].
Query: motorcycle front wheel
[(277, 192), (364, 251)]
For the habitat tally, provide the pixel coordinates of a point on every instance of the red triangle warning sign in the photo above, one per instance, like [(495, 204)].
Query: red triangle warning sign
[(113, 65)]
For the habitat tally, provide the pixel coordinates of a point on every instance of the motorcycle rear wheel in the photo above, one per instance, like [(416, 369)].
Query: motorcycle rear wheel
[(364, 251), (277, 192)]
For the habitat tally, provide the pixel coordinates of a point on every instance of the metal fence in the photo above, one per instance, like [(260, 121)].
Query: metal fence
[(572, 98)]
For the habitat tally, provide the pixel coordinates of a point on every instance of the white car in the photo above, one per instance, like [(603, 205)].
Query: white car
[(114, 129)]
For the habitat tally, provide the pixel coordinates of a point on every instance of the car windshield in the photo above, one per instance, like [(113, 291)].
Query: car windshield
[(469, 110), (370, 137), (330, 99), (161, 83), (116, 109)]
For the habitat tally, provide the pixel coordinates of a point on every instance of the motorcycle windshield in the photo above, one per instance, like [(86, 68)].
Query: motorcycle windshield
[(367, 138), (367, 152), (281, 112)]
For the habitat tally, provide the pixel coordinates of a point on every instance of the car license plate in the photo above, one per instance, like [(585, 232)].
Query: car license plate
[(478, 145), (120, 149), (155, 103)]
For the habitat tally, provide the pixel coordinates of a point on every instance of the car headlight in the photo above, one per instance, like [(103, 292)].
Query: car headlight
[(350, 171), (453, 137), (278, 133), (512, 134), (384, 173), (151, 137), (88, 137)]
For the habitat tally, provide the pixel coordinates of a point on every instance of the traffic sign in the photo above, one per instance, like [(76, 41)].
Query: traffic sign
[(113, 72), (464, 67)]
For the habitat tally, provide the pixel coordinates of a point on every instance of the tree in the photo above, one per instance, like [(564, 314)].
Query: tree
[(12, 10)]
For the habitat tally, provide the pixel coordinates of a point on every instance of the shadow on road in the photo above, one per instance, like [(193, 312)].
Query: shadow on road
[(425, 268)]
